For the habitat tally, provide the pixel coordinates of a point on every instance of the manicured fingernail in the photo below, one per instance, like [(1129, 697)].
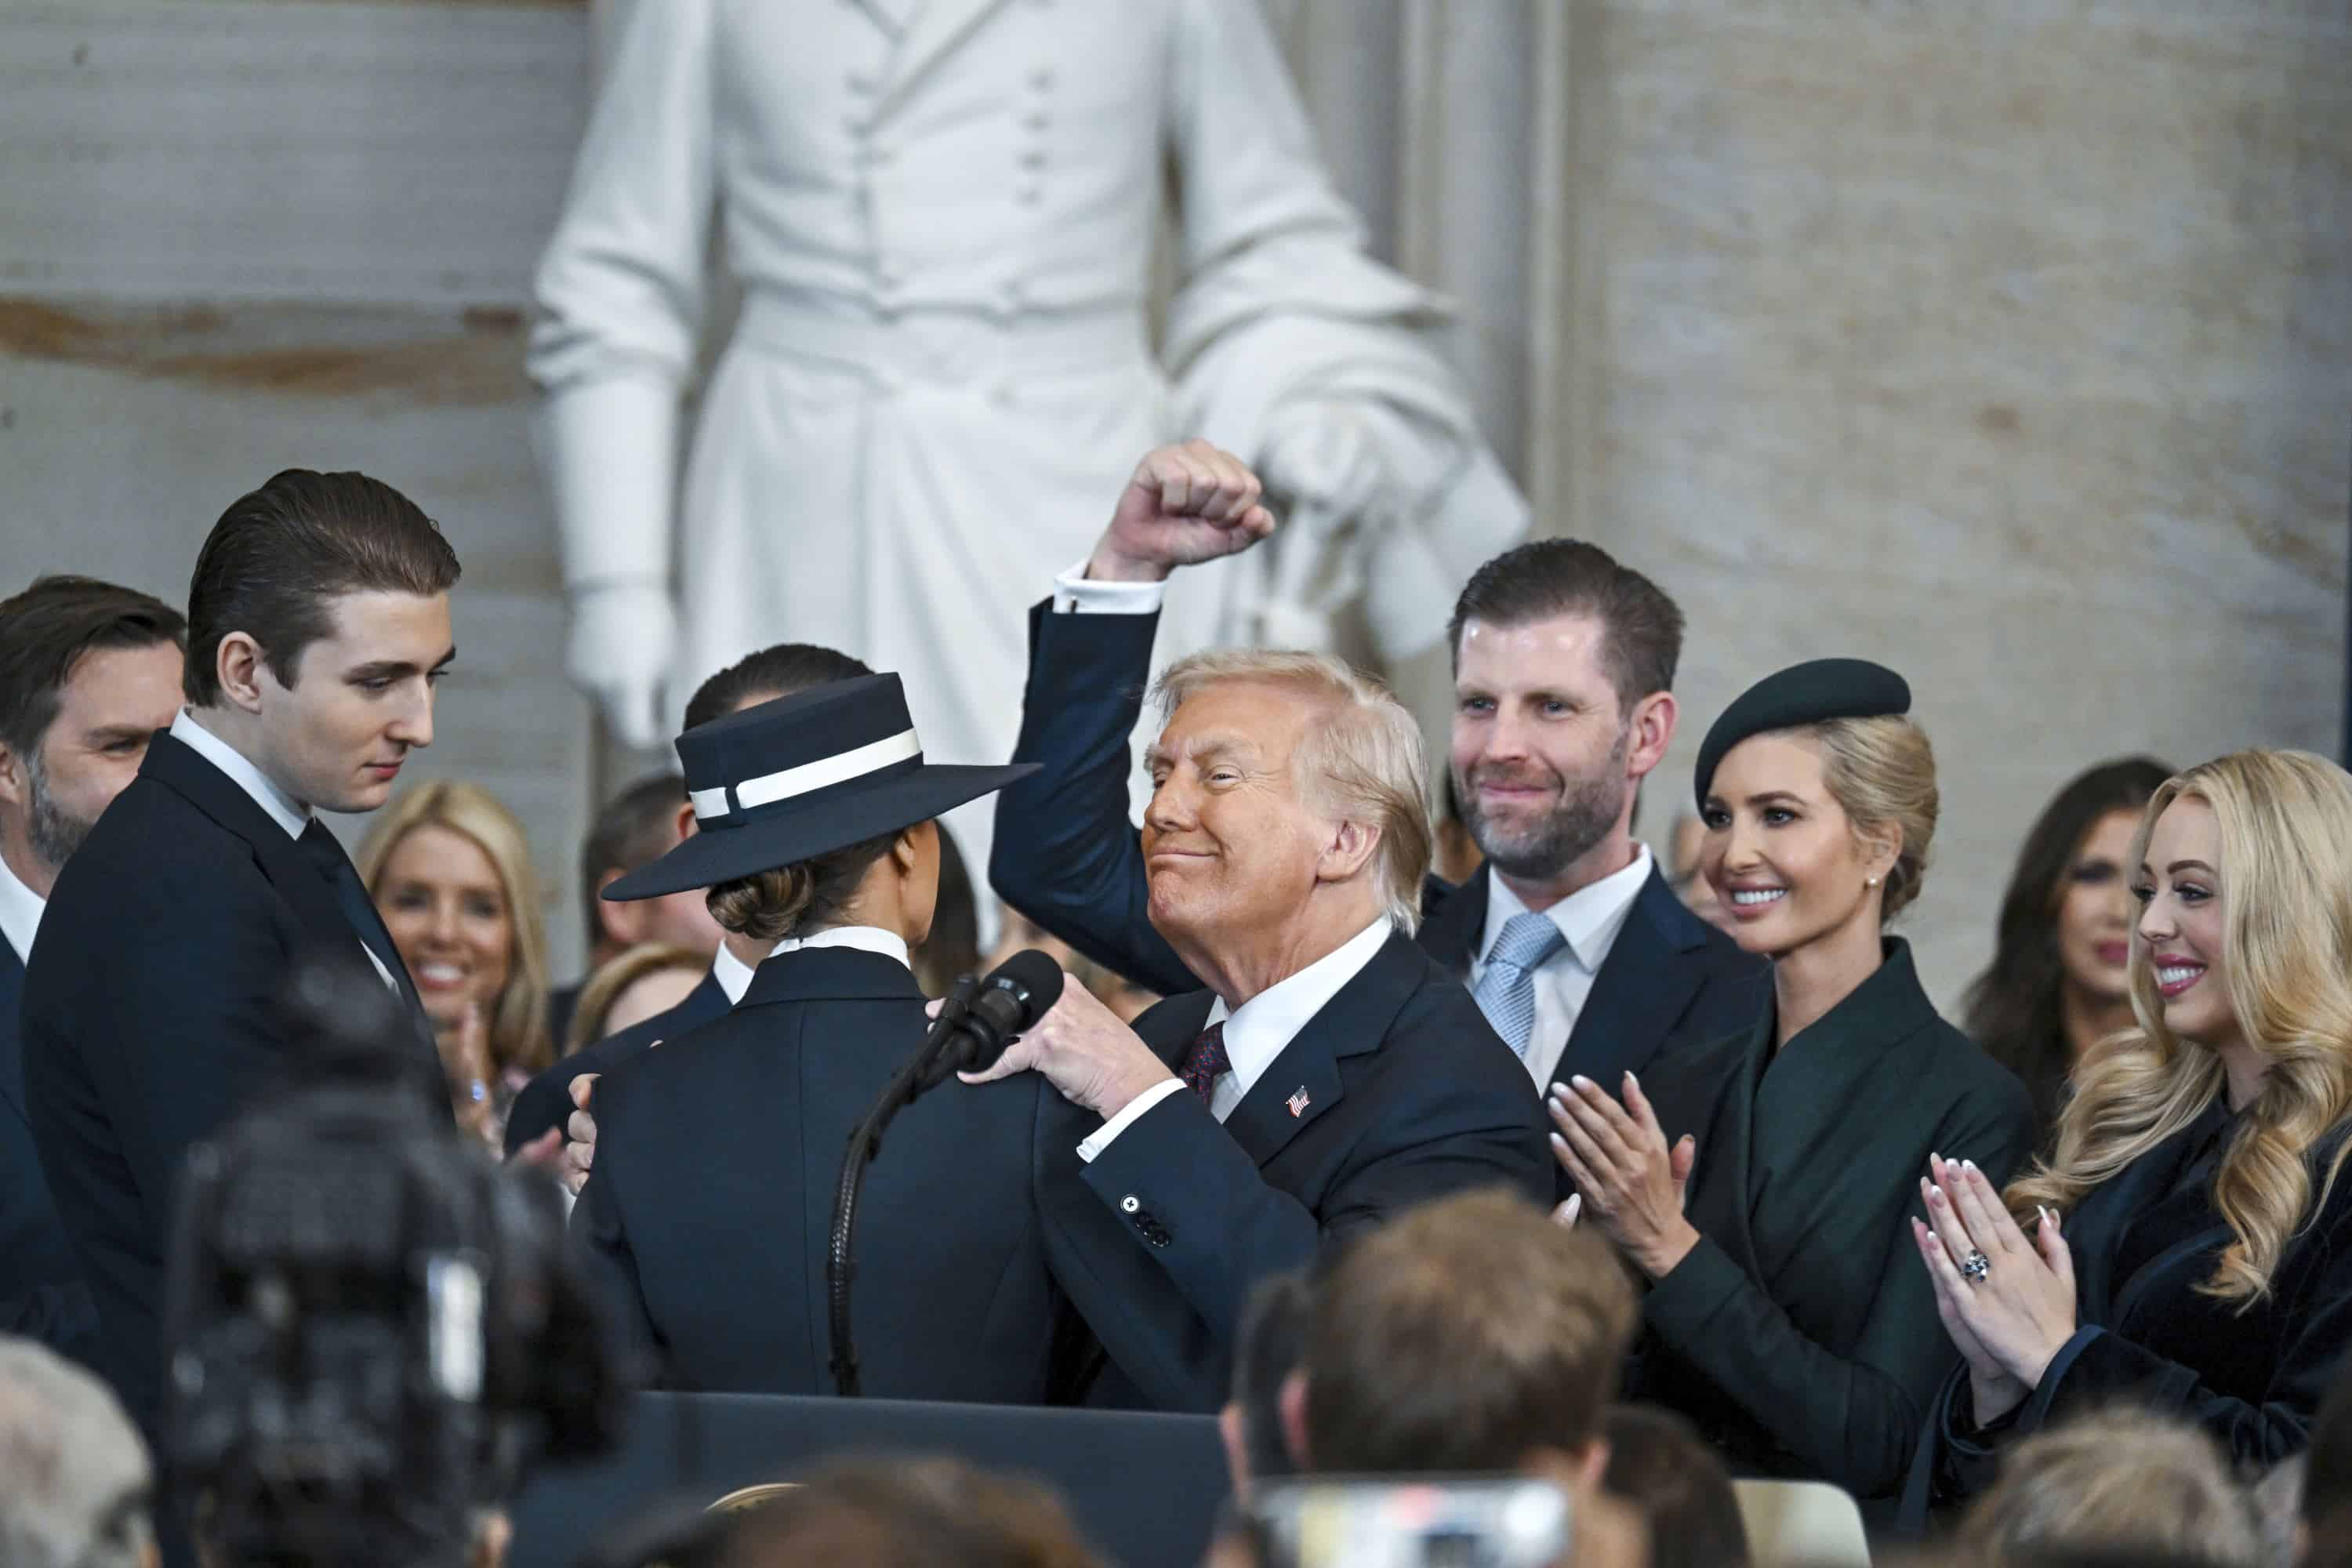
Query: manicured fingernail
[(1581, 1081), (1632, 1079), (1969, 1166), (1557, 1141)]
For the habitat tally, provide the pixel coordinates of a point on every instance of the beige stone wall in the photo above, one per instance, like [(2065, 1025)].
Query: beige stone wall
[(2008, 341)]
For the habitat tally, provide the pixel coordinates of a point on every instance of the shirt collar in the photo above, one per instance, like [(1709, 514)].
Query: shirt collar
[(1590, 917), (734, 975), (20, 912), (283, 810), (1261, 1029), (864, 939)]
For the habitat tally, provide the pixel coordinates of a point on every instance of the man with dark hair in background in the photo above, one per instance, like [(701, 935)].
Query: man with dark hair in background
[(317, 629), (636, 827), (89, 672), (548, 1103)]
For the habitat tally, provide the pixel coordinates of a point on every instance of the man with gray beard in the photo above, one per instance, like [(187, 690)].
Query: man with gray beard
[(1568, 936), (89, 672)]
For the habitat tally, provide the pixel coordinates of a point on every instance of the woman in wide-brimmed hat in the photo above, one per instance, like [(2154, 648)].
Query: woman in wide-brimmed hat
[(716, 1155)]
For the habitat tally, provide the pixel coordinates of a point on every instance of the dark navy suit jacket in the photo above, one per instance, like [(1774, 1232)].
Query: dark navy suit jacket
[(42, 1296), (1065, 855), (545, 1101)]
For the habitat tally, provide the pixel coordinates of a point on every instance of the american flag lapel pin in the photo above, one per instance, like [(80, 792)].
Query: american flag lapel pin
[(1297, 1102)]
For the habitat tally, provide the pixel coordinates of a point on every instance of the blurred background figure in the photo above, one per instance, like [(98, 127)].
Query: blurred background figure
[(449, 869), (910, 1513), (953, 948), (1658, 1463), (639, 984), (74, 1476), (1267, 1348), (1016, 932), (2059, 980), (1458, 857), (1697, 894), (637, 827), (2123, 1486)]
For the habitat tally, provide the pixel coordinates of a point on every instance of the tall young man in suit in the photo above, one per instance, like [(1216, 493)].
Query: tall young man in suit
[(1568, 936), (317, 629), (1323, 1074), (89, 672)]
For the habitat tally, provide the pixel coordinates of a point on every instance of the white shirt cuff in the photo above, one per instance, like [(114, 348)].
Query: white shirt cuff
[(1128, 1118), (1076, 594)]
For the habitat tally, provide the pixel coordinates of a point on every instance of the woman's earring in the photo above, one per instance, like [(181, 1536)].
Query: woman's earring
[(1871, 882)]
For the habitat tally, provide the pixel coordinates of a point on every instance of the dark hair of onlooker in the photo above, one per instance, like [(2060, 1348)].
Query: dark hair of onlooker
[(636, 827), (910, 1513), (1658, 1462), (2014, 1007), (1642, 640), (2327, 1464), (1266, 1349), (953, 949), (278, 557), (778, 671), (1412, 1370), (46, 629)]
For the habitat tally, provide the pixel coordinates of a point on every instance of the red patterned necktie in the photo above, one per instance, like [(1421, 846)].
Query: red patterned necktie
[(1206, 1061)]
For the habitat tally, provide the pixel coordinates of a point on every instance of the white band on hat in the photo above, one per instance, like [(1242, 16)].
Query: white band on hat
[(826, 772)]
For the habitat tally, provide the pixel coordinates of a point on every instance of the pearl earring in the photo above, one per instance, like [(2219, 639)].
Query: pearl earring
[(1873, 882)]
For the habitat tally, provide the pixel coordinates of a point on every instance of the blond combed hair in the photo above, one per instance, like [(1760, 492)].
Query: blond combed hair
[(1882, 773), (2285, 822), (1360, 761), (2121, 1482), (517, 1020)]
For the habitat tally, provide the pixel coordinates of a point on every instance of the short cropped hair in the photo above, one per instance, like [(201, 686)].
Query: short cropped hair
[(1641, 628), (1360, 762), (2124, 1483), (46, 629), (636, 828), (1467, 1335), (1659, 1463), (1267, 1350), (777, 671), (280, 556), (76, 1492), (910, 1513)]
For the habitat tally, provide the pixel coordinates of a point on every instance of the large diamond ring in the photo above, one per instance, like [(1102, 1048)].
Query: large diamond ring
[(1975, 1267)]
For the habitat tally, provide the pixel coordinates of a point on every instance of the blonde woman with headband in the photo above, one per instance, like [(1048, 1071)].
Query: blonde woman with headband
[(2188, 1244)]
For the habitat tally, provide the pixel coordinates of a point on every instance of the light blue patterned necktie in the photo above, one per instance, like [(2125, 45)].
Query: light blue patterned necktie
[(1506, 986)]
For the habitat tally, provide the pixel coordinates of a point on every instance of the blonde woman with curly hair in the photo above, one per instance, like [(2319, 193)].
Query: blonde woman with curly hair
[(2188, 1244)]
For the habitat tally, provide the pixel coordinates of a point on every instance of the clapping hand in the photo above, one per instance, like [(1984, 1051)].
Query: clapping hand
[(1626, 1177), (1186, 504), (2008, 1303)]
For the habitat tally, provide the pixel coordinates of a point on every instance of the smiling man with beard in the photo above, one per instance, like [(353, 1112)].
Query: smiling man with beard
[(1569, 937)]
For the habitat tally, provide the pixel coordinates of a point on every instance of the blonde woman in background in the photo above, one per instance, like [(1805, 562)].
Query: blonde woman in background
[(449, 868), (2188, 1244), (645, 982)]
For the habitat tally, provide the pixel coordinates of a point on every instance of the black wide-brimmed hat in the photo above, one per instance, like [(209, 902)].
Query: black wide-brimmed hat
[(1808, 694), (792, 779)]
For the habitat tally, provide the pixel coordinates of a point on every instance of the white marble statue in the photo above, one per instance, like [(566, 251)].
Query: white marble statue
[(943, 216)]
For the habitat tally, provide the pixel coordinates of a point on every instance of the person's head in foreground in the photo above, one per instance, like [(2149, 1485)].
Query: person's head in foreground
[(908, 1513), (74, 1476), (1658, 1463), (2115, 1484)]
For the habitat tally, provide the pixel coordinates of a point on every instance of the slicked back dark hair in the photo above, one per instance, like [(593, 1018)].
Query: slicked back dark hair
[(777, 671), (636, 828), (46, 629), (1641, 629), (280, 556)]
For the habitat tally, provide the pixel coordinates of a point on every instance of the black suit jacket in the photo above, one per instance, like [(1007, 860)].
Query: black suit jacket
[(545, 1103), (2142, 1242), (42, 1296), (1396, 1092), (709, 1211), (1065, 856), (151, 1020)]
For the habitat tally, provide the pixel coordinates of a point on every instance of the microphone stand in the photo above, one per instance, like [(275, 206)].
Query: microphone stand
[(921, 1072)]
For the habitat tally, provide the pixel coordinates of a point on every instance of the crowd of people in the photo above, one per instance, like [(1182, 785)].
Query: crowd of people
[(1624, 1176)]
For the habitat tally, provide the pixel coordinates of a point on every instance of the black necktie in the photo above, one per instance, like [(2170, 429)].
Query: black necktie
[(351, 894)]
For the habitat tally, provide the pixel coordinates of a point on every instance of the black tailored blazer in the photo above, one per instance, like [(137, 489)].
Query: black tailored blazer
[(1396, 1092), (2142, 1242), (42, 1296), (1065, 855), (1799, 1335), (709, 1214), (151, 1019), (545, 1103)]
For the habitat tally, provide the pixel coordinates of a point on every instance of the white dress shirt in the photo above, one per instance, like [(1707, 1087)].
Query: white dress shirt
[(283, 809), (20, 912), (864, 939), (1256, 1032), (1590, 918), (1075, 594)]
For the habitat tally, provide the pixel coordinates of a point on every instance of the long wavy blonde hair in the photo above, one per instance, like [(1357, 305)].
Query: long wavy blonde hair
[(517, 1020), (2285, 820)]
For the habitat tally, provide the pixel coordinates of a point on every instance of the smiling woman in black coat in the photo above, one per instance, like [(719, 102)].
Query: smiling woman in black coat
[(2189, 1244)]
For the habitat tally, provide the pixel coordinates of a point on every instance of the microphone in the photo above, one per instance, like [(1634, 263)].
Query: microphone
[(1015, 995)]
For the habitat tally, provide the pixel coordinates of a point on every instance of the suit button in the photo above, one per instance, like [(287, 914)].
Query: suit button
[(1130, 1204)]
